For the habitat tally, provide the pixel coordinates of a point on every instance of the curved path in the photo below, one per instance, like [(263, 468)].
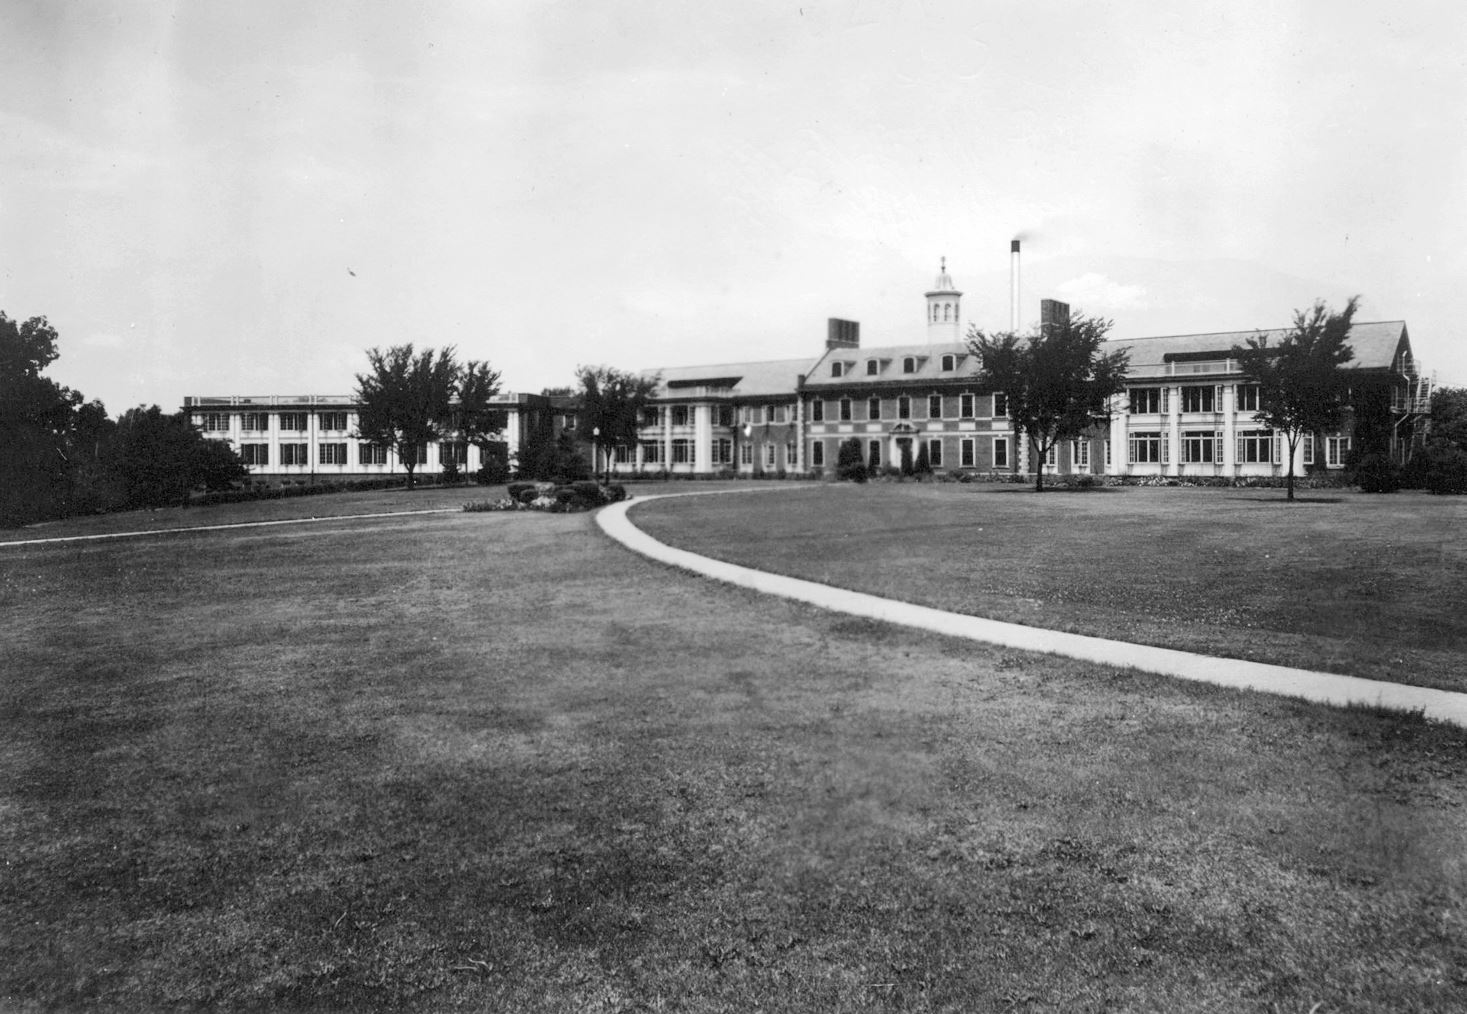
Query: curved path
[(1327, 688)]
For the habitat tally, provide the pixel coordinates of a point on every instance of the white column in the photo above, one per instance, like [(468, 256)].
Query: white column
[(1173, 435), (1118, 445), (702, 438), (1230, 429)]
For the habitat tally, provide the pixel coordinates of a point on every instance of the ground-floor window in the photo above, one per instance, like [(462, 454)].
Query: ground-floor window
[(1000, 452), (817, 453), (1080, 454), (1201, 446), (746, 454), (873, 453), (768, 455), (1308, 443), (682, 452), (723, 451), (934, 453), (254, 454), (622, 454), (1107, 452), (791, 454), (1051, 457), (1255, 447), (371, 454), (334, 454), (449, 453), (1335, 451), (965, 450), (294, 454), (1146, 448), (651, 452)]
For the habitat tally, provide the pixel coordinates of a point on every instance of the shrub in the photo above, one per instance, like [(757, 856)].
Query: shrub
[(848, 463), (1376, 473), (451, 472), (1446, 472)]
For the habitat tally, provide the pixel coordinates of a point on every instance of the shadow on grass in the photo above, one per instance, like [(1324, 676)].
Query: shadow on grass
[(1286, 500)]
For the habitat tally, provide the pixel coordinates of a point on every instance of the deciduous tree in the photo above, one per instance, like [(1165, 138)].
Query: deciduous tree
[(1058, 379), (1301, 383), (612, 402), (406, 399), (35, 418)]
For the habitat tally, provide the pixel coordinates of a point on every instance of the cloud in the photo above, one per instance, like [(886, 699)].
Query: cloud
[(1094, 291)]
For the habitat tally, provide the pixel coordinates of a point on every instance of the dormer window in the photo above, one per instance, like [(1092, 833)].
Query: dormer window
[(949, 362), (872, 367), (836, 369), (909, 364)]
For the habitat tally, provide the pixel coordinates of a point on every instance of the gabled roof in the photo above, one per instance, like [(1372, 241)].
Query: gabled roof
[(744, 380), (929, 365), (1375, 345)]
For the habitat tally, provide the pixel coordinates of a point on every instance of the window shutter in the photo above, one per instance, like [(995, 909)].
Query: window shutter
[(1166, 447), (1217, 450)]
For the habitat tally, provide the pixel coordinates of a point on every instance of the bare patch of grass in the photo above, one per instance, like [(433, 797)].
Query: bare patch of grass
[(486, 761), (1368, 586)]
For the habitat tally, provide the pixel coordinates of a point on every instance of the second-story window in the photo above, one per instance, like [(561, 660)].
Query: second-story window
[(679, 415)]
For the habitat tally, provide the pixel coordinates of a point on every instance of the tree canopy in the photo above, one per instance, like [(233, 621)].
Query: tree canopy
[(1058, 379), (410, 398), (1301, 384), (612, 401)]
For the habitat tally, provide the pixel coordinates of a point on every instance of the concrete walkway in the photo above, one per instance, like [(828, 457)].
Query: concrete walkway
[(1327, 688)]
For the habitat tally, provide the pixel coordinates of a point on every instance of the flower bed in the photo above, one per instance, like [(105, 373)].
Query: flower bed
[(548, 496)]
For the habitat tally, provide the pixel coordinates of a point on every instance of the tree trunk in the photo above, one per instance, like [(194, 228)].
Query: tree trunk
[(1289, 476), (409, 466)]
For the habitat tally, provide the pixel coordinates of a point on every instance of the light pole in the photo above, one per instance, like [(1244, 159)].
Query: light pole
[(595, 439)]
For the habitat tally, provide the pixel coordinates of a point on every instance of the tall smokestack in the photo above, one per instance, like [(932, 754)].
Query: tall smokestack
[(1014, 286)]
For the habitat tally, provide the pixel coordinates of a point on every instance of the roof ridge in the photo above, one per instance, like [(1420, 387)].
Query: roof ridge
[(1242, 330)]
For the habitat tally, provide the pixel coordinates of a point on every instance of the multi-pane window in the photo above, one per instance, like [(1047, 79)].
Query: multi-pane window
[(965, 452), (725, 415), (294, 422), (254, 454), (965, 406), (845, 410), (934, 453), (791, 454), (746, 454), (934, 406), (768, 455), (651, 416), (682, 452), (817, 410), (1199, 398), (1255, 446), (1145, 400), (872, 367), (652, 452), (904, 407), (1146, 448), (257, 422), (450, 452), (949, 363), (1080, 454), (1308, 442), (333, 422), (1107, 452), (371, 454), (873, 408), (1247, 397), (216, 422), (873, 453), (294, 454), (1201, 446), (622, 454), (1051, 457), (909, 364), (1000, 452), (335, 454), (837, 369), (679, 415), (1000, 404), (723, 451), (1335, 450), (817, 453)]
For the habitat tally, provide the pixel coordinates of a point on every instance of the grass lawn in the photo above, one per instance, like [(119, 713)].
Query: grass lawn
[(1372, 586), (496, 762)]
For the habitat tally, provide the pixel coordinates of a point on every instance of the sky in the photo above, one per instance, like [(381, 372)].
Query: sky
[(210, 198)]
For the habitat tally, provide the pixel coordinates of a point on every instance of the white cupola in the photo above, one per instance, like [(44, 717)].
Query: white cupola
[(943, 310)]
